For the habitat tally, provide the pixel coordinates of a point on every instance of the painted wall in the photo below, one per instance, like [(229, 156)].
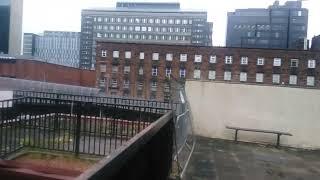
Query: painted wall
[(215, 105)]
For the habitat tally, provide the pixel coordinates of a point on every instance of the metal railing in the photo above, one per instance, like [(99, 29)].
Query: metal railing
[(98, 99), (146, 156), (89, 127)]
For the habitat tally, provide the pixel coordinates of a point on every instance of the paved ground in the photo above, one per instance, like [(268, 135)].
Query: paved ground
[(224, 160)]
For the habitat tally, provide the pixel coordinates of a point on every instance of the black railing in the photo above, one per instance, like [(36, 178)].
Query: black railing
[(91, 127), (146, 156), (98, 99)]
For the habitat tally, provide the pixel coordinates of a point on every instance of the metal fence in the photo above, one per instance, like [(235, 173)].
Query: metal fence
[(91, 127), (184, 137), (98, 99)]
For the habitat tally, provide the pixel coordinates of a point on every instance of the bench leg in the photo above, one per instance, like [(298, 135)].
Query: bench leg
[(236, 136), (278, 140)]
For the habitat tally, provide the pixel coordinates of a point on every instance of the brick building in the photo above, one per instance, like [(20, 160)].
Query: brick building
[(45, 72), (143, 70)]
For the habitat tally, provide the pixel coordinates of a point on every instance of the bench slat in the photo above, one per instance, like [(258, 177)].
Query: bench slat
[(259, 130)]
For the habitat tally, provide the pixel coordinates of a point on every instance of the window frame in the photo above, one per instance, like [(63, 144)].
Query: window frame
[(104, 53), (311, 64), (183, 57), (228, 59), (198, 58), (244, 60), (259, 60), (155, 56), (276, 80), (277, 62), (227, 76), (127, 54), (243, 77), (115, 54), (259, 77), (197, 74)]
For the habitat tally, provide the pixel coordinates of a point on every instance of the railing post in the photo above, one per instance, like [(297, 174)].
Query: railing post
[(78, 128)]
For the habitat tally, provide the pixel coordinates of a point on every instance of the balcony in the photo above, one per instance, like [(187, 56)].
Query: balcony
[(127, 137)]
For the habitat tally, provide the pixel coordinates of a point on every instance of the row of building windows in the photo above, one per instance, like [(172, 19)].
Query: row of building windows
[(212, 59), (143, 36), (142, 20), (143, 29), (293, 79), (211, 75)]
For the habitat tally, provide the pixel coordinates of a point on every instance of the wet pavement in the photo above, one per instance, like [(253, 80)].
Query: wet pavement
[(215, 159)]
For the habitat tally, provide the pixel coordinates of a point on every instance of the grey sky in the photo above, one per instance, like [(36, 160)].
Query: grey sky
[(65, 15)]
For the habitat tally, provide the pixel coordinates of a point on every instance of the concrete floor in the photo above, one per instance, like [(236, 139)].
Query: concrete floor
[(224, 160)]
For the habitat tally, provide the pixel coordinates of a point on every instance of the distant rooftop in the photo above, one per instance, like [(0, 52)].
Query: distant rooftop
[(147, 5)]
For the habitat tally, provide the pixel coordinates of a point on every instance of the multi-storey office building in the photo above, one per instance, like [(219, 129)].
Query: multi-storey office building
[(29, 44), (57, 47), (279, 26), (11, 26), (315, 43), (145, 70), (158, 23)]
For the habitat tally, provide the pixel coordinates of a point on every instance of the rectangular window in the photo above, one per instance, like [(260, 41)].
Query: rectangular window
[(126, 82), (143, 28), (154, 71), (168, 72), (169, 57), (228, 59), (293, 79), (196, 74), (115, 54), (114, 83), (310, 81), (155, 56), (227, 76), (103, 68), (311, 63), (213, 59), (126, 69), (260, 61), (128, 54), (244, 60), (197, 58), (276, 78), (104, 53), (114, 69), (183, 57), (182, 73), (294, 63), (243, 76), (259, 77), (299, 13), (141, 56), (140, 71), (276, 62), (212, 75)]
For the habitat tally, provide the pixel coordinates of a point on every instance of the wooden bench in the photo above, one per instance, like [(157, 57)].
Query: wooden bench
[(279, 133)]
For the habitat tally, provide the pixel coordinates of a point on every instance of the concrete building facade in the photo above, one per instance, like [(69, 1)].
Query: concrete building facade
[(158, 23), (58, 47), (11, 27), (145, 70), (279, 26)]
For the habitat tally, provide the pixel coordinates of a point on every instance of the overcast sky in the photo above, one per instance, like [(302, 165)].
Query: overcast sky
[(65, 15)]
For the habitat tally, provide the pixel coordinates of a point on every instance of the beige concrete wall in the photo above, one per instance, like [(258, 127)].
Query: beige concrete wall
[(294, 110)]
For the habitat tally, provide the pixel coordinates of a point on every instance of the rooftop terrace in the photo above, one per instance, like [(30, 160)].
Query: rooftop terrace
[(216, 159)]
